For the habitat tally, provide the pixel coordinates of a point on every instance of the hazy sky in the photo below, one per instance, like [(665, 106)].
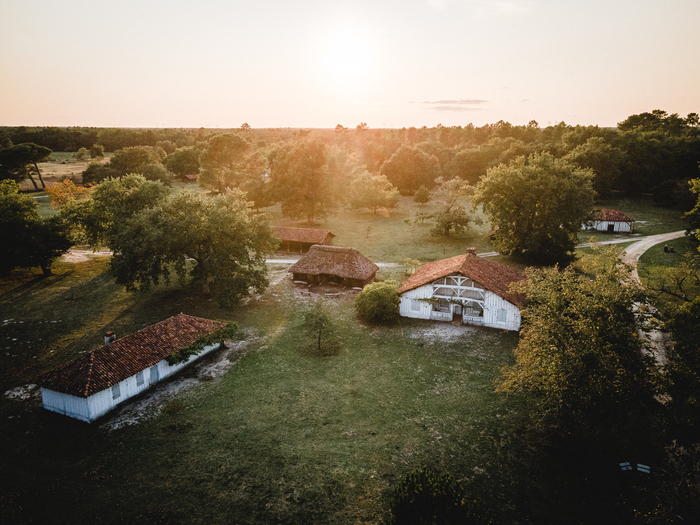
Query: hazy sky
[(306, 63)]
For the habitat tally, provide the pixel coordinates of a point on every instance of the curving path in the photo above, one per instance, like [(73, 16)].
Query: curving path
[(634, 251)]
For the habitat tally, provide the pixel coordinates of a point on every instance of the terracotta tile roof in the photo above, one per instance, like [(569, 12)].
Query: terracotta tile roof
[(491, 275), (107, 366), (310, 235), (347, 263), (611, 215)]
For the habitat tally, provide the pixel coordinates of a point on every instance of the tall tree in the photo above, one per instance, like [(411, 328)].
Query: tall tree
[(183, 161), (27, 240), (133, 159), (19, 162), (372, 191), (451, 214), (410, 168), (229, 161), (301, 181), (580, 357), (227, 243), (538, 205)]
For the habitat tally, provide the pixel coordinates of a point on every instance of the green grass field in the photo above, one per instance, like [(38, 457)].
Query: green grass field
[(656, 269), (283, 436)]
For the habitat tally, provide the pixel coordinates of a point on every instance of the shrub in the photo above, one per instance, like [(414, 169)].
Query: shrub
[(97, 172), (97, 151), (378, 302), (426, 497), (82, 154)]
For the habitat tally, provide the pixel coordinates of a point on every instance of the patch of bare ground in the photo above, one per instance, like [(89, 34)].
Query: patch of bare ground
[(442, 332), (77, 255), (209, 369)]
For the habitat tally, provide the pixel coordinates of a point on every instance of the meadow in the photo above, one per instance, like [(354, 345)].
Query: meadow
[(283, 435)]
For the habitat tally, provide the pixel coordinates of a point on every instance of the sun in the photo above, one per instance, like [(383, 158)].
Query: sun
[(347, 55)]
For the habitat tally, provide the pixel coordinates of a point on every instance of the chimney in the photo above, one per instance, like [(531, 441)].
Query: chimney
[(471, 250), (109, 337)]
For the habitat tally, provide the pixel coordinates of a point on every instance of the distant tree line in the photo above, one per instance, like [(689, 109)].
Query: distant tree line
[(655, 153)]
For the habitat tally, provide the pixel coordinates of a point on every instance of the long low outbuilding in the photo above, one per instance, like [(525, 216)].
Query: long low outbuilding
[(334, 264), (464, 288), (93, 384)]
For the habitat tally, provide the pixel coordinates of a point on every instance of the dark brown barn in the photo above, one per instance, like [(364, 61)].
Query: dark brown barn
[(333, 264), (299, 240)]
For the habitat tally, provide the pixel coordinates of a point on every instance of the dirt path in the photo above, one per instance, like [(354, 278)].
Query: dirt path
[(634, 251)]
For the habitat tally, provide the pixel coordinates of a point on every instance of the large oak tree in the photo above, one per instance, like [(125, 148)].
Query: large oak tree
[(538, 205)]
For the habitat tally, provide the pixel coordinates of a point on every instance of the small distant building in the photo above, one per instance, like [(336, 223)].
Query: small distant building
[(299, 240), (334, 264), (95, 383), (606, 220), (190, 178), (464, 288)]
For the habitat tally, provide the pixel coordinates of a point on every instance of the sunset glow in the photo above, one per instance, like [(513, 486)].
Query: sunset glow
[(288, 64)]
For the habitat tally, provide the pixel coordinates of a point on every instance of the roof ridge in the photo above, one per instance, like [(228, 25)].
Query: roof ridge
[(89, 372)]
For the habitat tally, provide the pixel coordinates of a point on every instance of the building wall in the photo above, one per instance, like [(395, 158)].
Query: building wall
[(492, 304), (618, 226), (91, 408)]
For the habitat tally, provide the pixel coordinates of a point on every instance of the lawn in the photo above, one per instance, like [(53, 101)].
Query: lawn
[(656, 269), (282, 436)]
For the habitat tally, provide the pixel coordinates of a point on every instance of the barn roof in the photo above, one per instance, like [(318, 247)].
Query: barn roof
[(309, 235), (611, 216), (491, 275), (347, 263), (107, 366)]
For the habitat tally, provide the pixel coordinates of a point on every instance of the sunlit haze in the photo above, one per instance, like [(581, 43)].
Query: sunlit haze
[(309, 63)]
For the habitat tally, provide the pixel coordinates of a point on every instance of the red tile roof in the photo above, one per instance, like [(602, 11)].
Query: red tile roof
[(611, 216), (347, 263), (310, 235), (107, 366), (493, 276)]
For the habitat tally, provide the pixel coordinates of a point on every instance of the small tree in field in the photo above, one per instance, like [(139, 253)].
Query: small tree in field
[(97, 151), (82, 154), (320, 329), (64, 192), (378, 302), (422, 195)]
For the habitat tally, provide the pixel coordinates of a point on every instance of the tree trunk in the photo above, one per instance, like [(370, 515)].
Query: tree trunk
[(205, 285), (46, 270), (319, 337), (33, 181), (39, 173)]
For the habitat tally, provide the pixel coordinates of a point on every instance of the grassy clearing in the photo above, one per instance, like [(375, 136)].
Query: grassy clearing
[(656, 268), (282, 437), (386, 237)]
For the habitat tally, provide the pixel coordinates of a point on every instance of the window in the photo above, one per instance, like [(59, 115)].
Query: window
[(473, 310), (139, 378), (415, 305), (501, 315), (115, 391), (441, 305)]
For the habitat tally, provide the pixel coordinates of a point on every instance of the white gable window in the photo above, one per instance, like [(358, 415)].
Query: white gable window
[(501, 315), (415, 305), (116, 392), (139, 378)]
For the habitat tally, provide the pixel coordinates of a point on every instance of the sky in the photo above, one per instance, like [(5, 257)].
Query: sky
[(316, 64)]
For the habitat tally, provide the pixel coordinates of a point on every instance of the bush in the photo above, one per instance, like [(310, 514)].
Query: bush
[(156, 172), (97, 172), (97, 151), (82, 154), (378, 302), (426, 497)]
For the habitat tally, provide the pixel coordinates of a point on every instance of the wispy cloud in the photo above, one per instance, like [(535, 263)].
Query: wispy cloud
[(454, 108), (467, 101)]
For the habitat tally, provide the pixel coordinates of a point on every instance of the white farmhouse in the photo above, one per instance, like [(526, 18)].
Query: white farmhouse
[(606, 220), (464, 288), (95, 383)]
